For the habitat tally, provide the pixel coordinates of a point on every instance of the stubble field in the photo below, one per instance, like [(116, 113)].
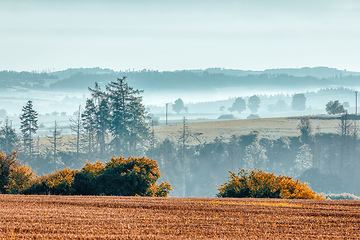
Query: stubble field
[(103, 217), (271, 128)]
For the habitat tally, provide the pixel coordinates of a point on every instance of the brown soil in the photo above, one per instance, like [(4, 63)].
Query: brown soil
[(80, 217)]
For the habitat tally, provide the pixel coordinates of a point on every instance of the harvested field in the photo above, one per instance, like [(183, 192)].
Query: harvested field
[(102, 217), (272, 128)]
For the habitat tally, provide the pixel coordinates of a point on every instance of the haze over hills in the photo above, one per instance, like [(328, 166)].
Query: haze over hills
[(211, 78), (203, 91)]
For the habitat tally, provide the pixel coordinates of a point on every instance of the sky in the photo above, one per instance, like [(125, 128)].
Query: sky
[(166, 35)]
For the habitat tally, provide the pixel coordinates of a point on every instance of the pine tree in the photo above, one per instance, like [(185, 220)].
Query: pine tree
[(88, 118), (102, 116), (8, 137), (102, 124), (128, 126), (28, 126)]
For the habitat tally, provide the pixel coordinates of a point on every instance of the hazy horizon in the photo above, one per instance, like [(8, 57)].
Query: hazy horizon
[(171, 35)]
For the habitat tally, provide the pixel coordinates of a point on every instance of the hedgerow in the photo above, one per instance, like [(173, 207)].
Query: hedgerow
[(119, 176), (258, 184)]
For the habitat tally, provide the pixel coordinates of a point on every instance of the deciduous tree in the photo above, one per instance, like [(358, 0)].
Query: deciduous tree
[(178, 106), (334, 107), (239, 105), (254, 103), (298, 102)]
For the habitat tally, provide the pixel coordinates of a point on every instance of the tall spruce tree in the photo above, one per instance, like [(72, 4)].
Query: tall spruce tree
[(102, 124), (28, 127), (102, 116), (88, 118), (127, 126)]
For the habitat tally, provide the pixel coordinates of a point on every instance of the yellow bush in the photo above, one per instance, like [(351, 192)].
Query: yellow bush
[(60, 182), (258, 184), (20, 178)]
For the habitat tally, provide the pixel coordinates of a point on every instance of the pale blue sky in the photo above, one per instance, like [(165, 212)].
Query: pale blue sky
[(174, 35)]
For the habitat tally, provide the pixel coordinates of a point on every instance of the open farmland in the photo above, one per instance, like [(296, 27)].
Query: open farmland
[(79, 217), (272, 128), (207, 131)]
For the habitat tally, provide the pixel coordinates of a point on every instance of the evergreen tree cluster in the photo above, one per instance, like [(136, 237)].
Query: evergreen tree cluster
[(114, 119)]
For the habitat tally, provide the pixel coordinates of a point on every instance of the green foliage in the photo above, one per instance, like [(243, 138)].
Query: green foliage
[(85, 181), (29, 126), (258, 184), (7, 162), (58, 183), (127, 177), (8, 137), (127, 114), (120, 176)]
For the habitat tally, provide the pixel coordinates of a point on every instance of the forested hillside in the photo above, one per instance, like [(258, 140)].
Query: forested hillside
[(187, 79)]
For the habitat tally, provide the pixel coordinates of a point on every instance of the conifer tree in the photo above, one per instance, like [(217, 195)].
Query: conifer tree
[(102, 124), (28, 127), (8, 137), (88, 118), (102, 115), (127, 126)]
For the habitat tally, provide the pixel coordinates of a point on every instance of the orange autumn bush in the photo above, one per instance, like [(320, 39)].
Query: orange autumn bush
[(258, 184)]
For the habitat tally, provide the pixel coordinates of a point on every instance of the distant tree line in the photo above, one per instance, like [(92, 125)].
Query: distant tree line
[(186, 79)]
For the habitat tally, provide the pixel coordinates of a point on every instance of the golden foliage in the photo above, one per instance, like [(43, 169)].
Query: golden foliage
[(258, 184), (20, 178)]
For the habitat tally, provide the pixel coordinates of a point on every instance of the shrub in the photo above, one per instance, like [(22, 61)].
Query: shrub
[(85, 181), (58, 183), (20, 178), (258, 184), (132, 176), (61, 182), (120, 176), (226, 117), (14, 177), (6, 163)]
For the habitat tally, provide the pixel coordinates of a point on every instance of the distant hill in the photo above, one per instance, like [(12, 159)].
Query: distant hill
[(209, 79), (318, 72)]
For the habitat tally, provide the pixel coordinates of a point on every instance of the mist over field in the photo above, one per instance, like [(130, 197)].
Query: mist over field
[(226, 85)]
